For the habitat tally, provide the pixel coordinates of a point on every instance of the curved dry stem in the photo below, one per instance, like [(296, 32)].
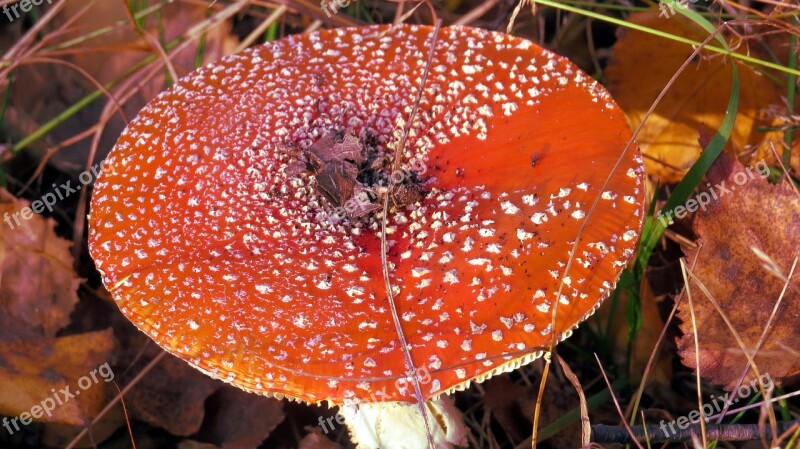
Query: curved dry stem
[(13, 53), (586, 428), (385, 246), (97, 84), (51, 152)]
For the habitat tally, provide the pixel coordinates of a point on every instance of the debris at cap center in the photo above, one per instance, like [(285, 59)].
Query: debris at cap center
[(354, 175)]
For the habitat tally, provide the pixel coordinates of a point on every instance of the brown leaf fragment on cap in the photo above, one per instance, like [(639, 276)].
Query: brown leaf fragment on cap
[(349, 149), (336, 181)]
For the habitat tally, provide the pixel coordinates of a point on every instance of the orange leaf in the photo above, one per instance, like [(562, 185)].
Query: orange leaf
[(63, 376)]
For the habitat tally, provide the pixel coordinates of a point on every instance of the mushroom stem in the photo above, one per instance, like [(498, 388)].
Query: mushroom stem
[(400, 425)]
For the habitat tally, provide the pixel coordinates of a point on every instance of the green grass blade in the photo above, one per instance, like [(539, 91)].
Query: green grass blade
[(44, 129), (654, 228), (138, 6), (6, 99), (620, 22), (162, 39), (272, 32), (201, 46), (791, 90), (106, 29)]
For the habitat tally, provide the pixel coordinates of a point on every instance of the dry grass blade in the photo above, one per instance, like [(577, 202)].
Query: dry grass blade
[(127, 418), (772, 268), (521, 4), (697, 358), (747, 352), (743, 408), (262, 27), (537, 410), (616, 403), (652, 358), (116, 399), (152, 41), (14, 53), (476, 13)]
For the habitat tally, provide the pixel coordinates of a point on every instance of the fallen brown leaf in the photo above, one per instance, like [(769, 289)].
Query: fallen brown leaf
[(240, 420), (754, 215), (43, 378), (172, 397), (316, 440), (38, 287), (183, 401), (61, 435), (191, 444)]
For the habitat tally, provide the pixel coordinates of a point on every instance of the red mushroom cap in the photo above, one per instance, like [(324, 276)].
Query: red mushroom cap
[(230, 259)]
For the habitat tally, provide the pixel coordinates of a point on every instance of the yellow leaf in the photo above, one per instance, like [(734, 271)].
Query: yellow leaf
[(642, 64)]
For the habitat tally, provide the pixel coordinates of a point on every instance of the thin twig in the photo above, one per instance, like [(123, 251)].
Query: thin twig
[(662, 433)]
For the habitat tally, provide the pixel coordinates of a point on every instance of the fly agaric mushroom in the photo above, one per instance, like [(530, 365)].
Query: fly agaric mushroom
[(217, 235)]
